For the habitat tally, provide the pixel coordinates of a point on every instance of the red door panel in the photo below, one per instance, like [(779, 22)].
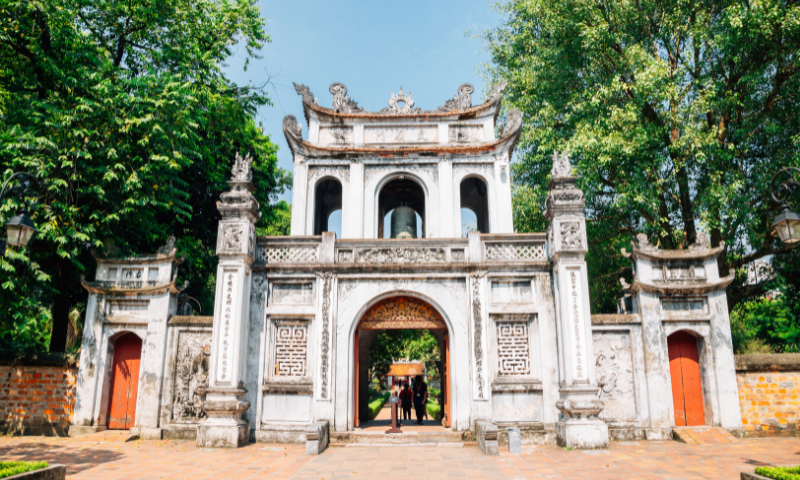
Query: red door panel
[(684, 370), (355, 392), (124, 382)]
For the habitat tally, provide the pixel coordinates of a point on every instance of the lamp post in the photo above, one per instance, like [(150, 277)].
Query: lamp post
[(20, 229), (787, 223)]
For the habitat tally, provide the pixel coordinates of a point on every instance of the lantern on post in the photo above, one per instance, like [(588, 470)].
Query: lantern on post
[(20, 229)]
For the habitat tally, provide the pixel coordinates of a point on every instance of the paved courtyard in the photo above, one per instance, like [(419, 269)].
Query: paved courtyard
[(109, 457)]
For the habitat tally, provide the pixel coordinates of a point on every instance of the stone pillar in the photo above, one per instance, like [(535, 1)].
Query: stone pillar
[(505, 212), (236, 244), (299, 195), (353, 221), (579, 426), (447, 220)]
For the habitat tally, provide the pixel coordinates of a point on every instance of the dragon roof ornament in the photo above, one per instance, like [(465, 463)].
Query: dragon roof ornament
[(341, 102), (305, 92), (460, 101)]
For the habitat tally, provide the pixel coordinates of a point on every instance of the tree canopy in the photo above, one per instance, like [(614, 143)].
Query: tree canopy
[(123, 112), (675, 114)]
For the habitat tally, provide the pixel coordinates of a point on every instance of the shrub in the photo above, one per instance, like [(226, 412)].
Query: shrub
[(434, 409), (8, 469), (376, 405), (780, 473)]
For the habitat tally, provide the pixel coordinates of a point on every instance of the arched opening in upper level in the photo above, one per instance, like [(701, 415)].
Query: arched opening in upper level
[(475, 197), (401, 209), (327, 200)]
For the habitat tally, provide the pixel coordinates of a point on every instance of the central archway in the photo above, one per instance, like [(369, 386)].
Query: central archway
[(399, 312)]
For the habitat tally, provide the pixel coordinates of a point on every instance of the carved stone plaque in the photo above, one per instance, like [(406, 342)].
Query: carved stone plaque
[(402, 134), (465, 133), (191, 376), (614, 373), (514, 291), (335, 135)]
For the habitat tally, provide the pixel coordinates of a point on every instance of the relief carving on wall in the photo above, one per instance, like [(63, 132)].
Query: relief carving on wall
[(465, 133), (571, 235), (478, 317), (327, 279), (232, 236), (400, 255), (342, 172), (191, 376), (513, 353), (401, 313), (614, 371)]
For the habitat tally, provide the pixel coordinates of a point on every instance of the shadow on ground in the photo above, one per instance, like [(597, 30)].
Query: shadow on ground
[(76, 461)]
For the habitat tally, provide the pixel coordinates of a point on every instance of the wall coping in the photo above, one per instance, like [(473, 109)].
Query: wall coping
[(39, 359), (768, 362)]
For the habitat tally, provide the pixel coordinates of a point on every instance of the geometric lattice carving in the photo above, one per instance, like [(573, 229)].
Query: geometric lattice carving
[(512, 348), (514, 251), (292, 254), (291, 346)]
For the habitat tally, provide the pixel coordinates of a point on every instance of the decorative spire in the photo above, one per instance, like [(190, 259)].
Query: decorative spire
[(461, 101), (395, 108), (561, 165), (341, 102), (241, 168)]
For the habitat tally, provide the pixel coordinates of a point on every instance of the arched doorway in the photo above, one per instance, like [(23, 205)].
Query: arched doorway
[(124, 382), (327, 199), (684, 370), (402, 312), (475, 197)]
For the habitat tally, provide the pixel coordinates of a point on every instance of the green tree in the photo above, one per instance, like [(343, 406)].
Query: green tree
[(675, 114), (124, 114)]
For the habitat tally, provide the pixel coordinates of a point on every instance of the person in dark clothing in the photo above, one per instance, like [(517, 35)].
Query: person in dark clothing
[(420, 397), (406, 400)]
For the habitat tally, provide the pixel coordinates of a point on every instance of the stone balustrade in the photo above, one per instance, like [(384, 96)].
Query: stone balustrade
[(477, 248)]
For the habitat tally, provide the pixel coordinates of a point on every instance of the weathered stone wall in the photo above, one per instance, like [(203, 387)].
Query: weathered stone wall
[(37, 393), (769, 386)]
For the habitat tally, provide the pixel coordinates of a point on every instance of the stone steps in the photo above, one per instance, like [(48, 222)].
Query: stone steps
[(704, 435), (408, 439)]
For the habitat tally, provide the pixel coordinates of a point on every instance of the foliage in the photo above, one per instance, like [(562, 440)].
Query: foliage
[(433, 408), (8, 469), (376, 405), (765, 326), (389, 345), (123, 113), (675, 116), (277, 220), (779, 473)]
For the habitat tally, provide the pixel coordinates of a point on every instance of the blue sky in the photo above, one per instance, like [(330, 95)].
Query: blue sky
[(372, 47)]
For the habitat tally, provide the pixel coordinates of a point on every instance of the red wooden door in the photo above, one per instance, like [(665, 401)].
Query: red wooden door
[(355, 383), (124, 382), (446, 381), (687, 390)]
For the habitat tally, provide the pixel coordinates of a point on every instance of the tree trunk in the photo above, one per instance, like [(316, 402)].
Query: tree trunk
[(58, 337), (687, 212)]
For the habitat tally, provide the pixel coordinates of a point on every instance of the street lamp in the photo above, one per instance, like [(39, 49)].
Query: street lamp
[(20, 229), (787, 223)]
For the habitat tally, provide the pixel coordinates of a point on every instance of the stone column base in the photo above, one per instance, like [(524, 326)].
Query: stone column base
[(79, 431), (582, 434), (223, 436)]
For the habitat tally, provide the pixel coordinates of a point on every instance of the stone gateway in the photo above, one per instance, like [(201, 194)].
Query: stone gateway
[(284, 356)]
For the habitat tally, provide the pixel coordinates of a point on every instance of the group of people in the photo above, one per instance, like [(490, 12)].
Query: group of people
[(416, 396)]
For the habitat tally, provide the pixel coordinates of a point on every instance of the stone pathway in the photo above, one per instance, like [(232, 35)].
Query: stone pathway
[(106, 458), (383, 421)]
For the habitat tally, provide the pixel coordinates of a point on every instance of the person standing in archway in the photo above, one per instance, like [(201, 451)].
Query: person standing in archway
[(420, 397), (406, 400)]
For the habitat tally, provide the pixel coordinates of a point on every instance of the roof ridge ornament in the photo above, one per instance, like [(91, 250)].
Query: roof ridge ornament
[(701, 243), (461, 101), (290, 125), (497, 91), (395, 109), (561, 165), (513, 122), (341, 102), (305, 92)]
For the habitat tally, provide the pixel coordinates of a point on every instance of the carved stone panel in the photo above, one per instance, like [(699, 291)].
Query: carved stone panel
[(465, 133), (512, 291), (402, 134), (401, 255), (614, 371), (513, 351), (292, 293), (335, 134), (191, 376)]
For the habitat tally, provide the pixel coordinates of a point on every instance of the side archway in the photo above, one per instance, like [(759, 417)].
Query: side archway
[(685, 376)]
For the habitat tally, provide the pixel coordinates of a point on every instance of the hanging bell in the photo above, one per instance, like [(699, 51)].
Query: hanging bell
[(404, 223)]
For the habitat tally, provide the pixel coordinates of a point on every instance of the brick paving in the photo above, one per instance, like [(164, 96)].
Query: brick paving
[(704, 435), (107, 457)]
